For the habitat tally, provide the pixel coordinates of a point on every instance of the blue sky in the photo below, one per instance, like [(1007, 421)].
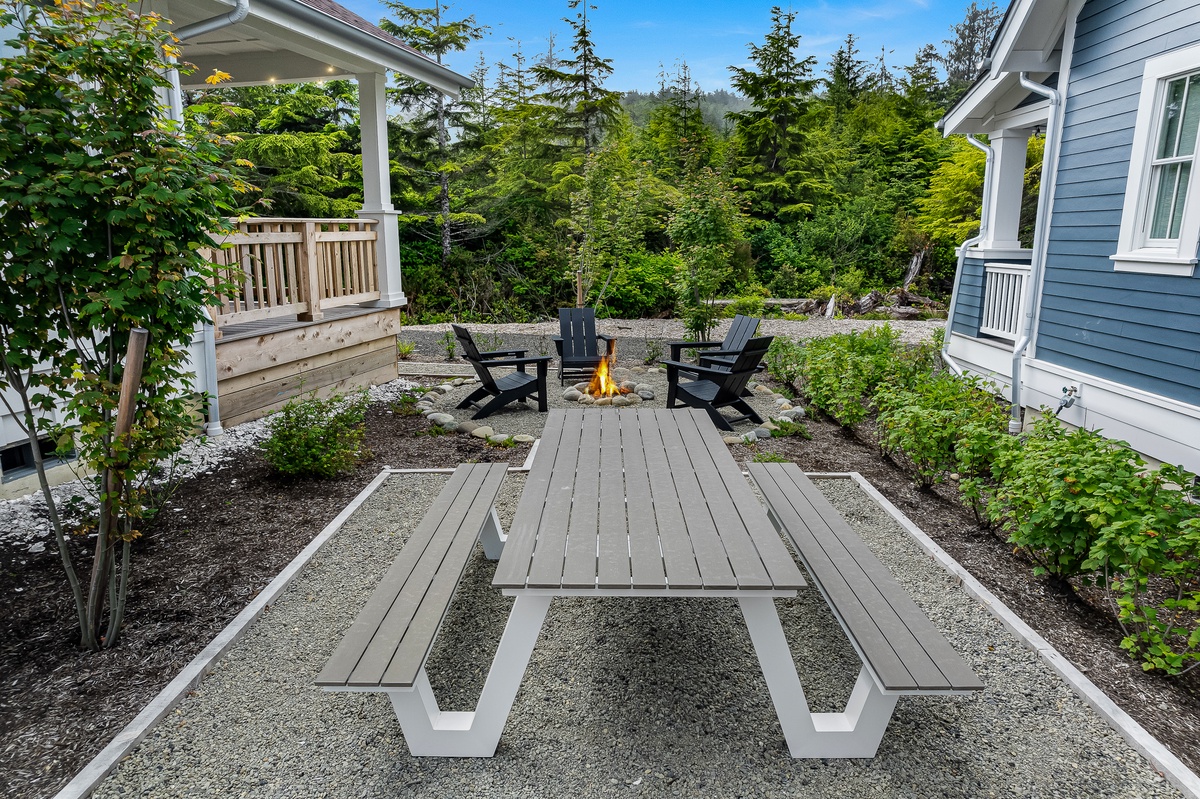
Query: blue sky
[(711, 36)]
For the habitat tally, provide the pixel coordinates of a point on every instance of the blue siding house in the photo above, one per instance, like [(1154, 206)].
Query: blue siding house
[(1103, 306)]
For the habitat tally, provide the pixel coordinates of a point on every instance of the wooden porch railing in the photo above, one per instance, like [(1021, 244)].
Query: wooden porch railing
[(295, 267), (1003, 300)]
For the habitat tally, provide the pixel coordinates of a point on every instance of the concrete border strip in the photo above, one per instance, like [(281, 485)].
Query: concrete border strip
[(86, 780), (1171, 767)]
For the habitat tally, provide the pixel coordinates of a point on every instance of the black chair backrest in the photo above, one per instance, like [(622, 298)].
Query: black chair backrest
[(471, 353), (577, 326), (732, 382), (741, 331)]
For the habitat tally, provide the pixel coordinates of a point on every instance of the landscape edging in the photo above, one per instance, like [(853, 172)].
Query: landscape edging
[(1171, 767)]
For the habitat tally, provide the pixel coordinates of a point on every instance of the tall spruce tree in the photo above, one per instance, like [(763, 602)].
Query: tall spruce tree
[(432, 113), (775, 170), (576, 85), (967, 49)]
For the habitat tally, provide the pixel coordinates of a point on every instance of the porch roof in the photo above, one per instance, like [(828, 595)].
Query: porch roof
[(290, 41), (1030, 39)]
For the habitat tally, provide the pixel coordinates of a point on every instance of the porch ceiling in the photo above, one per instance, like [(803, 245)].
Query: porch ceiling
[(290, 41)]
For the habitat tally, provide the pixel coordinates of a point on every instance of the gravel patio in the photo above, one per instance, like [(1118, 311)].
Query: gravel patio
[(627, 697)]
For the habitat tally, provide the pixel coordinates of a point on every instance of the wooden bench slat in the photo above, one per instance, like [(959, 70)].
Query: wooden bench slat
[(513, 570), (546, 568), (613, 566), (457, 514), (645, 551), (679, 561), (902, 646), (945, 659)]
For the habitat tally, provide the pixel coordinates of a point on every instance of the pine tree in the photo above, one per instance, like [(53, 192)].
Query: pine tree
[(576, 86), (847, 77), (433, 114), (970, 45), (775, 171)]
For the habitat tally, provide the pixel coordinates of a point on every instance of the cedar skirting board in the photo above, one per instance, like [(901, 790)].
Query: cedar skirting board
[(258, 374)]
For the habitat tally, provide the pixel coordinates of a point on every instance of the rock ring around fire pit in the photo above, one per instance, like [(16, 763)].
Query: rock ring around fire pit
[(636, 386)]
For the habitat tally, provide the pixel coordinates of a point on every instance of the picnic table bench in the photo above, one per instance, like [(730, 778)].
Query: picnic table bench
[(386, 647), (902, 652)]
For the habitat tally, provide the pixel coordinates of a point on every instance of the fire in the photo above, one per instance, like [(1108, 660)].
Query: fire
[(602, 384)]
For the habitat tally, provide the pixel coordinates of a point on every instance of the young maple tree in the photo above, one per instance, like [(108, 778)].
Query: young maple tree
[(105, 206)]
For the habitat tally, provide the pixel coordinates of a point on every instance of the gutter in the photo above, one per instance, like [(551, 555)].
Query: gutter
[(1041, 239), (240, 11), (412, 63), (962, 252)]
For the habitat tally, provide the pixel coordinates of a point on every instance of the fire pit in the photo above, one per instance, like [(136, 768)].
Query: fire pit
[(609, 385)]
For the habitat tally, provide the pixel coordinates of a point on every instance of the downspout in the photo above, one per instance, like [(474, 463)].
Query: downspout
[(240, 11), (962, 252), (1041, 236)]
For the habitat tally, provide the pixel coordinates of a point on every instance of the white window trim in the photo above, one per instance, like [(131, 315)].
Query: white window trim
[(1131, 256)]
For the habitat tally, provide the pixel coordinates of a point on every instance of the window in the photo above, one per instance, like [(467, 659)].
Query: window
[(1160, 222)]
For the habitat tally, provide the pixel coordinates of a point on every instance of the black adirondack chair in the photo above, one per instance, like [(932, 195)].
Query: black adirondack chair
[(717, 387), (579, 351), (741, 331), (517, 386)]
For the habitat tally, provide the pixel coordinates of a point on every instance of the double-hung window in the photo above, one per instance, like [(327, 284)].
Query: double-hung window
[(1160, 223)]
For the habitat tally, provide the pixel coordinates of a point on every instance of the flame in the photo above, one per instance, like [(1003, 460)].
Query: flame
[(602, 384)]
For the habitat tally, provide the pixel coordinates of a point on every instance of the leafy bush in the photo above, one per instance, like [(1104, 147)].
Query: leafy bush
[(749, 305), (1150, 561), (641, 286), (927, 421), (787, 428), (842, 373), (1058, 490), (314, 437), (405, 349), (785, 360)]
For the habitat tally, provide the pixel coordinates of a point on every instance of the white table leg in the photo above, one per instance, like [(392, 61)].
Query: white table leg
[(430, 731), (856, 732), (492, 536)]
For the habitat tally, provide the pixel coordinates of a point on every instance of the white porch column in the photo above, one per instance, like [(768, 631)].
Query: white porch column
[(377, 186), (1005, 189)]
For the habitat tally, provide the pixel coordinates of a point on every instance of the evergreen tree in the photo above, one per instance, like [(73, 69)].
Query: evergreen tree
[(970, 45), (433, 114), (847, 77), (576, 86), (775, 171)]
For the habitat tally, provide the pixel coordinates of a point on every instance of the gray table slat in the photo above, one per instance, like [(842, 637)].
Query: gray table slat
[(464, 501), (613, 566), (645, 551), (770, 549), (678, 558), (546, 568), (947, 662), (748, 568), (715, 569), (513, 569), (579, 563)]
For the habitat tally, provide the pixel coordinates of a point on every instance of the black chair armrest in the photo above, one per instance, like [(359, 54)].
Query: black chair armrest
[(719, 353), (677, 347), (691, 367), (519, 361), (501, 353)]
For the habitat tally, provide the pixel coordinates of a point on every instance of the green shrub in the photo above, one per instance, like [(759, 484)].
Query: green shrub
[(641, 286), (1059, 489), (841, 373), (314, 437), (769, 457), (787, 428), (405, 349), (1150, 562), (785, 360), (927, 421)]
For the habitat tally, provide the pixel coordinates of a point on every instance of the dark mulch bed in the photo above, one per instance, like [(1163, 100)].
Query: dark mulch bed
[(197, 568)]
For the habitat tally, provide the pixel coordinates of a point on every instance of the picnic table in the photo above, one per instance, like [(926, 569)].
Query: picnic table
[(637, 503)]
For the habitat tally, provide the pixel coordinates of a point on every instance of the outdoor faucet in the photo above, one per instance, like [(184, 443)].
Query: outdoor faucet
[(1068, 398)]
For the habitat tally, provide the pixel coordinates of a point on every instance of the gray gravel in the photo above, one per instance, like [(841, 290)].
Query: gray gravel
[(635, 336), (622, 697)]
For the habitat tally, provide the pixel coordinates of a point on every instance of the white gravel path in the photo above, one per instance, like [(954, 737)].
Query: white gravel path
[(622, 697)]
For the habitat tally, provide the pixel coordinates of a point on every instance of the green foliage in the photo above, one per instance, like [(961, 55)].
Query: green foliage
[(641, 286), (314, 437), (768, 457), (104, 208), (405, 350), (654, 351), (406, 405), (929, 420), (749, 304), (785, 360), (786, 429), (450, 344)]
